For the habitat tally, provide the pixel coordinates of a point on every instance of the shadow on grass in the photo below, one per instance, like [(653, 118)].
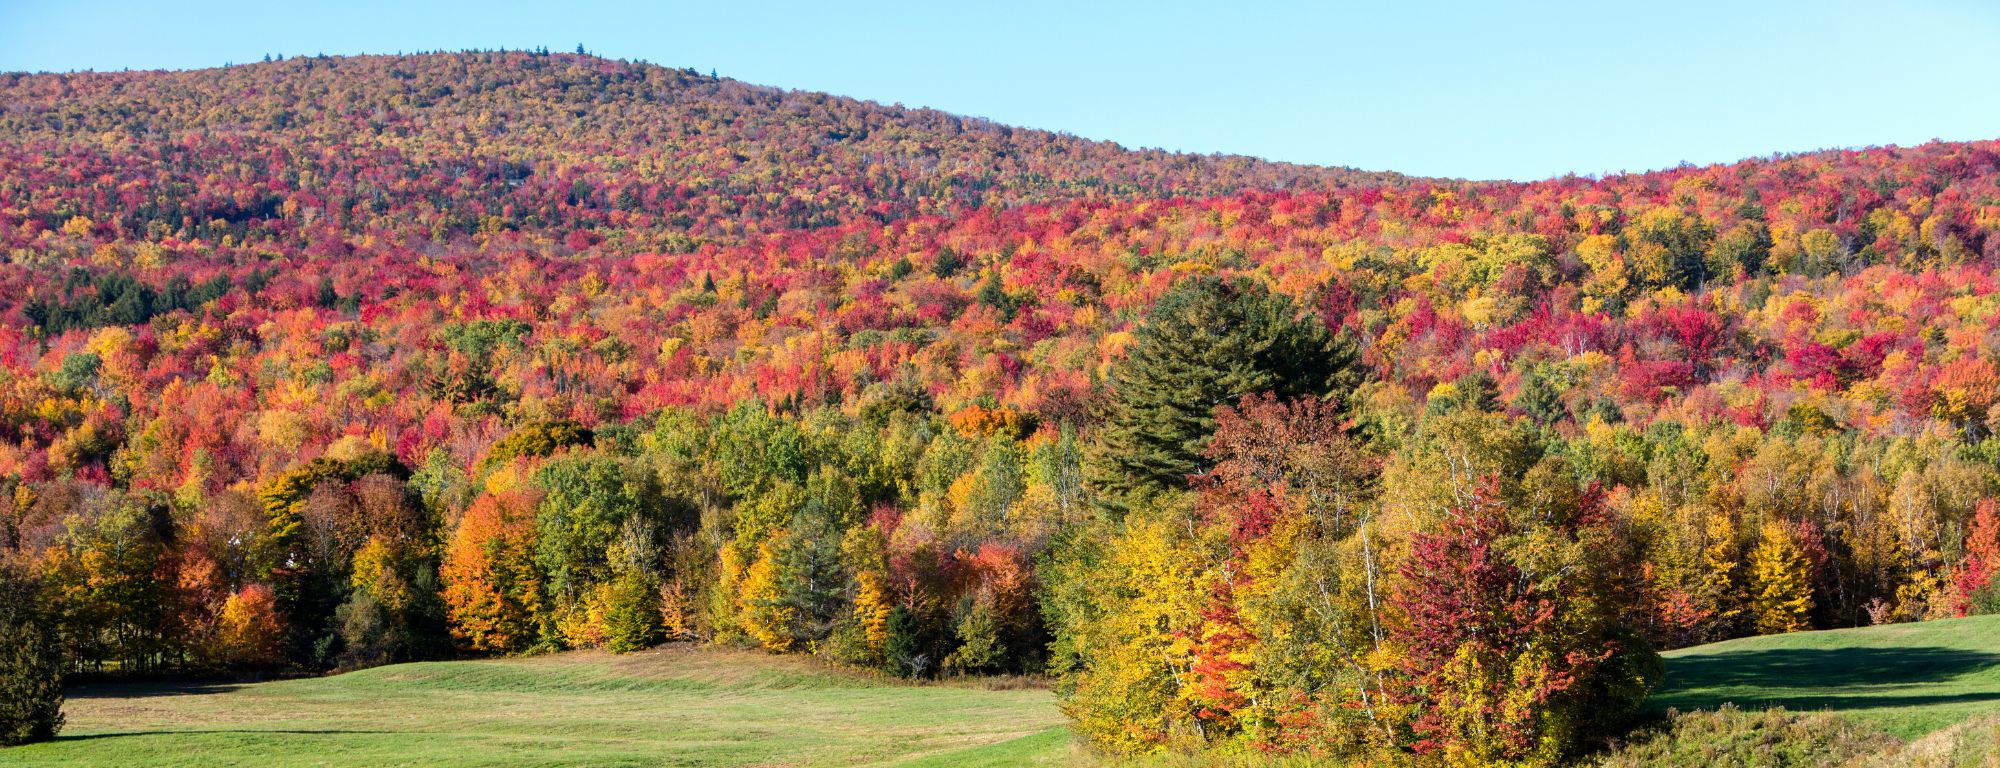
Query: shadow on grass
[(1812, 678), (238, 731), (145, 690)]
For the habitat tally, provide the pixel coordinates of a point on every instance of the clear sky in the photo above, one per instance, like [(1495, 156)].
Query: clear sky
[(1468, 89)]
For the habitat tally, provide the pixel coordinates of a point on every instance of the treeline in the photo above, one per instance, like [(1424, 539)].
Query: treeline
[(1306, 565)]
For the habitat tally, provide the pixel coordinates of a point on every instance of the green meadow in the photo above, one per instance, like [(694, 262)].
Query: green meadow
[(672, 706), (1906, 679), (685, 706)]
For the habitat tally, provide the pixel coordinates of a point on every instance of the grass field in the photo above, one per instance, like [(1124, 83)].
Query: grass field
[(682, 706), (673, 706), (1906, 679)]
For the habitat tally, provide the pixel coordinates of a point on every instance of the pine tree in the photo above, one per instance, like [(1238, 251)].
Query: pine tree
[(30, 664), (632, 617), (1205, 344), (1540, 400), (1781, 585)]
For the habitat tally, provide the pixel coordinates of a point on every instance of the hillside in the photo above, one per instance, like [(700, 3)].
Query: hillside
[(337, 363), (595, 143), (672, 706)]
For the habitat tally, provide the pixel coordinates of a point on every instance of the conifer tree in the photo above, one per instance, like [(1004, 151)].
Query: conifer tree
[(1207, 343), (30, 664)]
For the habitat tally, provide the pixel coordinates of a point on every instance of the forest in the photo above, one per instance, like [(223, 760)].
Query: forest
[(325, 363)]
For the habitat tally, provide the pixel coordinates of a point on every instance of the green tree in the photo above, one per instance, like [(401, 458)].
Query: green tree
[(587, 501), (632, 616), (1206, 343), (30, 663)]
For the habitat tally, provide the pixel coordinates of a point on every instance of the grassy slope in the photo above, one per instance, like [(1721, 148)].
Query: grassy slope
[(677, 707), (1907, 679)]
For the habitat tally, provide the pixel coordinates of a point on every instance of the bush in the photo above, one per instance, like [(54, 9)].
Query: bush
[(30, 664), (1770, 739)]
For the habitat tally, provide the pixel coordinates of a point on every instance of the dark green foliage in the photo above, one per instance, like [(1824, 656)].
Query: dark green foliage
[(948, 263), (478, 339), (1473, 391), (30, 664), (115, 298), (1206, 343), (1540, 400), (906, 649), (1744, 249), (993, 295), (810, 573)]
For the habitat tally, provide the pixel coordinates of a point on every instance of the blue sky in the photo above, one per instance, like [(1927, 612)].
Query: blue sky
[(1478, 90)]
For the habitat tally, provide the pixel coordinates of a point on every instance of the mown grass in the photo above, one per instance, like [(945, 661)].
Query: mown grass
[(674, 706), (1909, 694), (1905, 679)]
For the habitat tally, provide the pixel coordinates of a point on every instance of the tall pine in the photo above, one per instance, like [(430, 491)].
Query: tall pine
[(30, 663), (1208, 342)]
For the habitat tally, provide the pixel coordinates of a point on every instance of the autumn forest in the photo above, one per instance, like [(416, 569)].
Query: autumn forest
[(320, 364)]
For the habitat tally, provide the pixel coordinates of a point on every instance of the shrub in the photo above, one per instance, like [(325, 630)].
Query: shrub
[(1770, 739)]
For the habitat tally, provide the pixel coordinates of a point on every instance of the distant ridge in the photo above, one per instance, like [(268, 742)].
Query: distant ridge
[(802, 158)]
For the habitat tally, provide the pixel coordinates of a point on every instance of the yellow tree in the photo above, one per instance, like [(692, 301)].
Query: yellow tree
[(1781, 587), (765, 613), (1720, 561)]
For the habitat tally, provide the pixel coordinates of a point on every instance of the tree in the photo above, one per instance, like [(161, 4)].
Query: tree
[(492, 588), (632, 615), (248, 632), (767, 615), (1514, 647), (1780, 581), (586, 503), (1978, 577), (1206, 343), (30, 663)]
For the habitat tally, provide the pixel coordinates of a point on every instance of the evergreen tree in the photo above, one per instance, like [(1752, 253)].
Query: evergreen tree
[(809, 573), (1540, 400), (30, 664), (632, 618), (1206, 343)]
